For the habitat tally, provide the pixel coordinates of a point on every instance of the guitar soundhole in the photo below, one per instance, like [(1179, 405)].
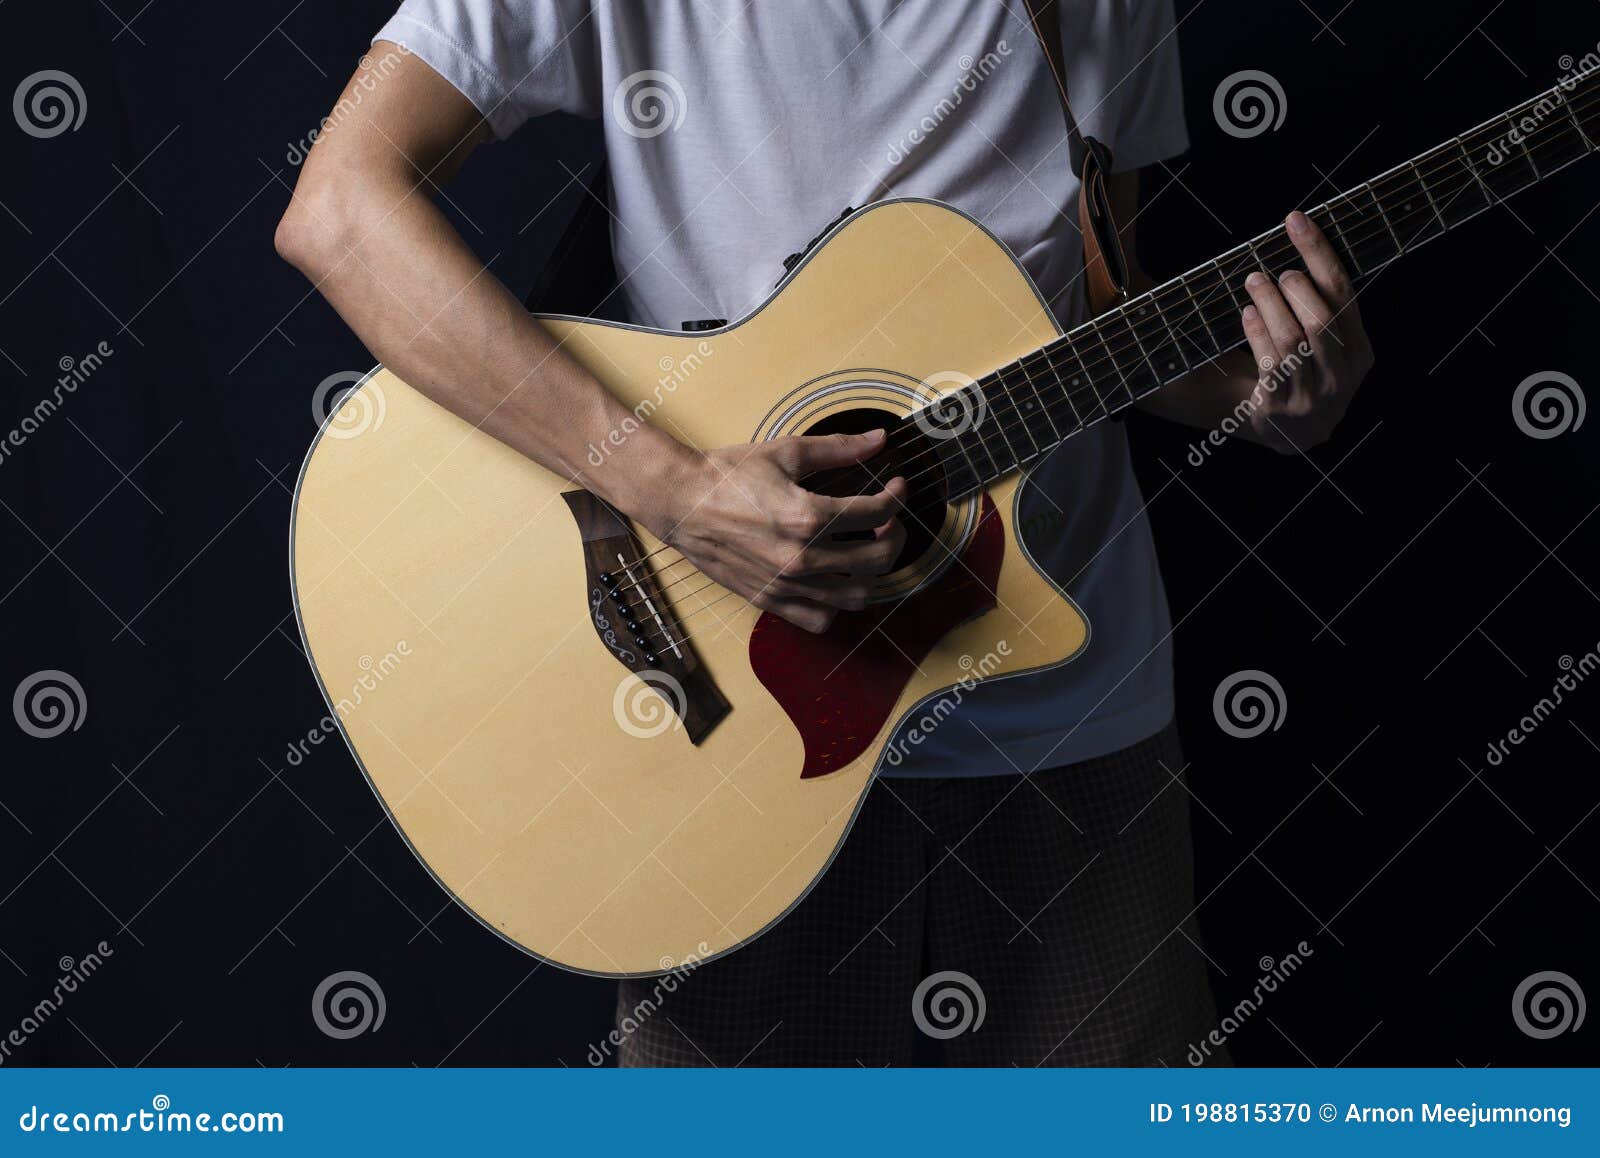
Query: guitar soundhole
[(909, 454)]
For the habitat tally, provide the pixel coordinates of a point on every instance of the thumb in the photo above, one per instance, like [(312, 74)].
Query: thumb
[(813, 452)]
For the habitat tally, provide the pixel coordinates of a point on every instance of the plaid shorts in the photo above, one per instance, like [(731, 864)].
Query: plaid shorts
[(999, 920)]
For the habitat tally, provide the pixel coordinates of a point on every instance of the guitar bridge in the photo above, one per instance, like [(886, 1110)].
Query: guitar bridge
[(635, 622)]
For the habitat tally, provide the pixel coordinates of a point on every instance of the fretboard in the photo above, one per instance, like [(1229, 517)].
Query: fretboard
[(1027, 407)]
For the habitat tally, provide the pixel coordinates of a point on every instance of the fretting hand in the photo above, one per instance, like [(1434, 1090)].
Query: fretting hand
[(1309, 344)]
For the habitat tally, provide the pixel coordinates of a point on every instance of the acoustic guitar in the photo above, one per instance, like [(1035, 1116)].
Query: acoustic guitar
[(619, 766)]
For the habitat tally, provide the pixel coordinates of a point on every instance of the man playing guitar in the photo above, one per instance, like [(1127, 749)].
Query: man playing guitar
[(1032, 843)]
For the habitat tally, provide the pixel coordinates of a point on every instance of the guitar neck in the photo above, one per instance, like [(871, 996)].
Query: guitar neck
[(1028, 407)]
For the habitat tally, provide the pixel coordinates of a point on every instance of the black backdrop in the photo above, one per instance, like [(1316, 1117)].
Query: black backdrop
[(1451, 556)]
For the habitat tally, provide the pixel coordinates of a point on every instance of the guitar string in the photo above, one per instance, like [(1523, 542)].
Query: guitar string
[(1166, 334), (1372, 230)]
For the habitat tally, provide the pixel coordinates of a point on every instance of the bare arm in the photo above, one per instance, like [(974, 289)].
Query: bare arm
[(363, 226), (1292, 401)]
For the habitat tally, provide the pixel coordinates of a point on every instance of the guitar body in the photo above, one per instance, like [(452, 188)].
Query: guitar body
[(451, 616)]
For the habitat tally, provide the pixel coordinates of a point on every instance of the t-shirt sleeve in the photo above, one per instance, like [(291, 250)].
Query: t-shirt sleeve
[(1123, 74), (513, 59)]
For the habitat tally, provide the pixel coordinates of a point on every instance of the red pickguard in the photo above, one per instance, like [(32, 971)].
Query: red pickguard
[(840, 686)]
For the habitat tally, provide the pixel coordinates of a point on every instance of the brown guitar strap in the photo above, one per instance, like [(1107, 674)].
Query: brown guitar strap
[(1104, 262)]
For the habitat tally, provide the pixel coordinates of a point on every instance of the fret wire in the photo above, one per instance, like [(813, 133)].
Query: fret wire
[(1227, 283), (1443, 224), (1251, 246), (1094, 324), (986, 408), (977, 475), (1133, 328), (1201, 314), (1577, 124), (1182, 329), (1055, 372), (1027, 377), (1018, 400), (1468, 183), (1022, 419), (1084, 377), (1351, 208), (1399, 246), (1489, 194), (1522, 140), (1350, 250), (1172, 335)]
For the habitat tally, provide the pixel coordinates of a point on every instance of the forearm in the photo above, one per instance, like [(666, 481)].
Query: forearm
[(397, 272)]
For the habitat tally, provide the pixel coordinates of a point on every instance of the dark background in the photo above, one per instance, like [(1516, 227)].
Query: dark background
[(145, 542)]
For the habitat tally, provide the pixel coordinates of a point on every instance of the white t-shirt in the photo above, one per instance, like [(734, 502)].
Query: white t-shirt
[(736, 130)]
